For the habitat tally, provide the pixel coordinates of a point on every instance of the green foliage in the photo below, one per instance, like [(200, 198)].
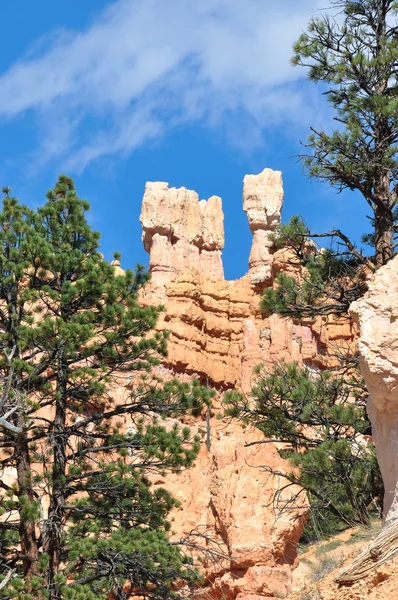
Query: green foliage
[(72, 334), (355, 57), (320, 419), (295, 233), (330, 280)]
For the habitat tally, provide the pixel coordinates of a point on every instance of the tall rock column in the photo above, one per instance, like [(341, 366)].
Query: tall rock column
[(181, 232), (377, 315), (262, 201)]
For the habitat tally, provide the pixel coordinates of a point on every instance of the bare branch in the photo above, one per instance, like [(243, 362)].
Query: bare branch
[(7, 578)]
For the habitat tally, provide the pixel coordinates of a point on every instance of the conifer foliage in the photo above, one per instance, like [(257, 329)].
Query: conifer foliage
[(330, 279), (353, 52), (78, 517), (320, 420)]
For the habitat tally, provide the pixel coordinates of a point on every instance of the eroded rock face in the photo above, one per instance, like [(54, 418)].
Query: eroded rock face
[(218, 335), (180, 231), (377, 315), (228, 496), (217, 331), (262, 201)]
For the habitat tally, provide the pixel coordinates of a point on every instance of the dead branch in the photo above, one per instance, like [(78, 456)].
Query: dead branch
[(7, 579), (384, 547), (9, 426)]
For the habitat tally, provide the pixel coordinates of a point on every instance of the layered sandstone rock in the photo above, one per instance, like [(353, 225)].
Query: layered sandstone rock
[(217, 331), (218, 335), (180, 231), (262, 201), (377, 315)]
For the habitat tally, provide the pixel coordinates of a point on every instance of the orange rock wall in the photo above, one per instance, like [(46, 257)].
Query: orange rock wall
[(218, 334), (217, 331)]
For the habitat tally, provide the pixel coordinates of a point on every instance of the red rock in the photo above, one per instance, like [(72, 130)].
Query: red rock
[(218, 334)]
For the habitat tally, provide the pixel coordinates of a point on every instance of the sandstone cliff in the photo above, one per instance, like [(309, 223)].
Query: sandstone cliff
[(217, 334), (377, 315)]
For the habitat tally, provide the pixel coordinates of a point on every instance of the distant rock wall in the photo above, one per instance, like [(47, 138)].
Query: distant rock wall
[(218, 334)]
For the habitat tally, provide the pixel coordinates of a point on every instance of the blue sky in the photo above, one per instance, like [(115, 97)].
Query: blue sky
[(117, 93)]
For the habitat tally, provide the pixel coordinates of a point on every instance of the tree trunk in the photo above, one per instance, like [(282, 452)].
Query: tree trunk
[(27, 527), (383, 548), (384, 236), (53, 529), (384, 222)]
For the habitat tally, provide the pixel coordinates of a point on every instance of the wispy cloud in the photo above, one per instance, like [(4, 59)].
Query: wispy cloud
[(146, 66)]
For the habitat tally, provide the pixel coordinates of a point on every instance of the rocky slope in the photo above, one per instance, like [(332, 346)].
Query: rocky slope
[(217, 335), (321, 564)]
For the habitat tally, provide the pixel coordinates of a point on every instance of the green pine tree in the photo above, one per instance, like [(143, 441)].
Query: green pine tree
[(353, 53), (330, 279), (81, 520), (320, 419)]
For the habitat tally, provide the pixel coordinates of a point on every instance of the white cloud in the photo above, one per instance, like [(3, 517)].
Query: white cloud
[(147, 65)]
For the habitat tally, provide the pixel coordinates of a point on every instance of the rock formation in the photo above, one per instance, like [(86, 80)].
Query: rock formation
[(228, 497), (218, 334), (217, 331), (262, 201), (178, 230), (377, 315)]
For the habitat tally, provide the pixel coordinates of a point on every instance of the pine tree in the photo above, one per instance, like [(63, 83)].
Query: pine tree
[(329, 279), (354, 54), (320, 421), (80, 520)]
